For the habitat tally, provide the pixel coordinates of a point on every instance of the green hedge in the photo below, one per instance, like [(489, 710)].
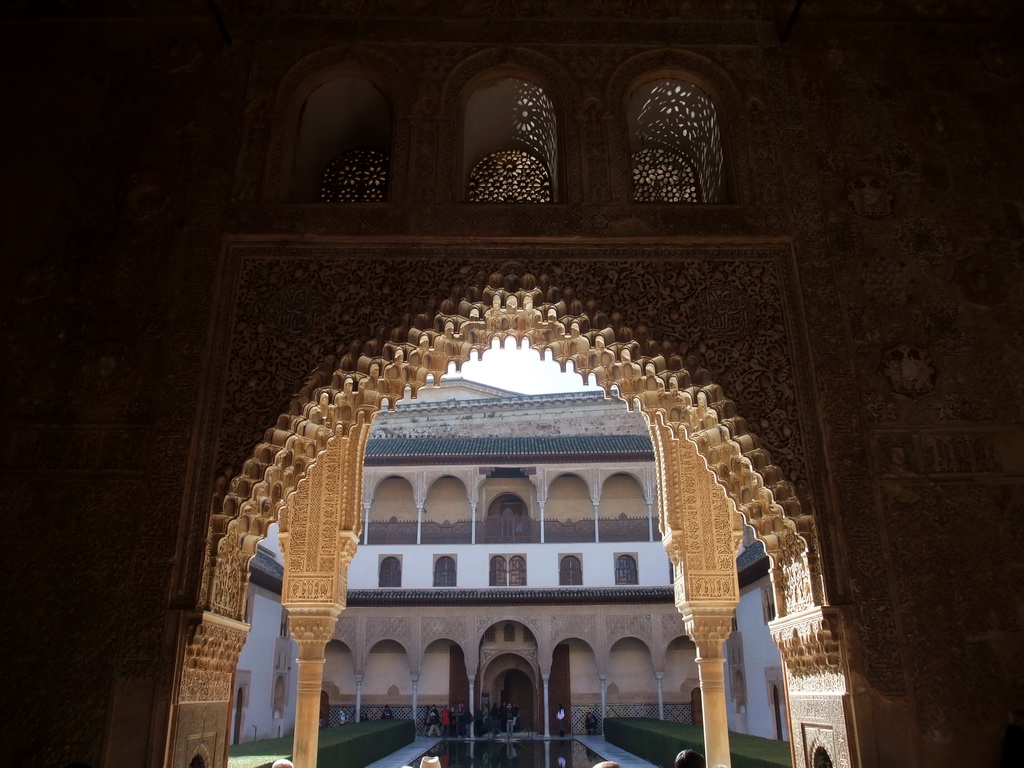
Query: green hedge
[(345, 746), (659, 741)]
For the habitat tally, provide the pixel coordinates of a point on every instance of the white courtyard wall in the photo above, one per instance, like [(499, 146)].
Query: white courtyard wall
[(265, 657)]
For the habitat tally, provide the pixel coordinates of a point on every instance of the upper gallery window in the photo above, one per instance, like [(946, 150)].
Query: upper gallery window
[(625, 569), (499, 571), (343, 151), (390, 572), (517, 571), (675, 144), (570, 571), (510, 143), (444, 571), (509, 572)]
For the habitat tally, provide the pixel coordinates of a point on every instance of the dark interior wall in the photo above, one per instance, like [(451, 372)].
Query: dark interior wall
[(122, 140), (115, 132), (925, 282)]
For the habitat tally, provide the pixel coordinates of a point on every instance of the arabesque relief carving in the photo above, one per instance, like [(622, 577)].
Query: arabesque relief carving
[(210, 659)]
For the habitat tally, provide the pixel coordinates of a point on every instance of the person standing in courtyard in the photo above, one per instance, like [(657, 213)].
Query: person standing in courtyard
[(560, 716)]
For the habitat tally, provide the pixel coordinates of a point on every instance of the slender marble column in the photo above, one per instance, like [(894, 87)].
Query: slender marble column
[(604, 699), (547, 709), (597, 526), (708, 627), (419, 523), (472, 707), (659, 676), (359, 697), (650, 521), (472, 522), (366, 523), (311, 628), (542, 522), (415, 687)]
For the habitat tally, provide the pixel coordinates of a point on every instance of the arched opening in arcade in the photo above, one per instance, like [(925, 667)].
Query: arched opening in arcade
[(712, 475)]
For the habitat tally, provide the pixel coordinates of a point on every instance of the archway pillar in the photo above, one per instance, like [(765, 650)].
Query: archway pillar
[(708, 625), (819, 696), (201, 714)]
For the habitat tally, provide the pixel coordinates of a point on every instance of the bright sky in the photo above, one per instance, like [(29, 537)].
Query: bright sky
[(521, 370)]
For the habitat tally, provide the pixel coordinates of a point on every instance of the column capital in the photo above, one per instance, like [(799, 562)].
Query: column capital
[(312, 628), (708, 625)]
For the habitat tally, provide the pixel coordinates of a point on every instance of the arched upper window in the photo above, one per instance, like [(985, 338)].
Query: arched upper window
[(510, 143), (517, 571), (343, 147), (675, 144), (570, 571), (499, 572), (390, 572), (625, 569), (444, 571)]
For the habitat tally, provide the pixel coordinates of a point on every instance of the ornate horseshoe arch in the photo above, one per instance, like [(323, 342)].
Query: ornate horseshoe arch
[(712, 477)]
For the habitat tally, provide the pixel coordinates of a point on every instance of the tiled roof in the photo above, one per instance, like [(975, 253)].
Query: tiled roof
[(265, 571), (509, 596), (750, 555), (398, 448)]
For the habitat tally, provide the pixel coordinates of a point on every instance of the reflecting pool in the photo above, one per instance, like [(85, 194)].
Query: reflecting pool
[(512, 754)]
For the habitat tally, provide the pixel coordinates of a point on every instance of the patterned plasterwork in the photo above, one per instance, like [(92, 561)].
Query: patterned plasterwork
[(442, 628), (563, 627), (619, 626), (210, 659)]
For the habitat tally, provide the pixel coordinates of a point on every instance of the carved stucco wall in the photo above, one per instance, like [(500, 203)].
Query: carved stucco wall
[(895, 168)]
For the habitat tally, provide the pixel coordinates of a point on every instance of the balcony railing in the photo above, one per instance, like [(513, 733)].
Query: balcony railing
[(513, 529), (624, 528), (568, 531), (459, 532)]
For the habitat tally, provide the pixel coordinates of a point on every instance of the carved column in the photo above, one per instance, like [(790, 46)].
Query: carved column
[(604, 699), (311, 628), (419, 523), (541, 504), (709, 626), (204, 694), (472, 522), (597, 524), (366, 523)]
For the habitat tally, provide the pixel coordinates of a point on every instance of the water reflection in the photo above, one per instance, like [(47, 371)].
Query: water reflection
[(512, 754)]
